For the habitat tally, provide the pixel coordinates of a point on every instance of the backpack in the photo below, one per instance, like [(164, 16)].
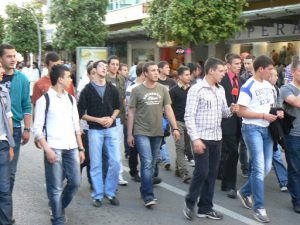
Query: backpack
[(46, 95)]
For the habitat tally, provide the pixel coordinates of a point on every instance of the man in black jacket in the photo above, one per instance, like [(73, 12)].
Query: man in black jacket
[(231, 127), (99, 105)]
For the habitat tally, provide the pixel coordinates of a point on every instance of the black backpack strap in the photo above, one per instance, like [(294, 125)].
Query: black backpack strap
[(46, 112), (71, 98)]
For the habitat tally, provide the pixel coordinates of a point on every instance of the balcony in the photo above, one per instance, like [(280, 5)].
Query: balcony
[(120, 4)]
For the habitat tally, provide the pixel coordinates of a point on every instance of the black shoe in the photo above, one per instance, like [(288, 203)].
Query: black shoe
[(156, 180), (297, 208), (186, 179), (188, 211), (177, 173), (231, 193), (97, 203), (113, 201), (212, 214), (167, 166), (13, 221), (136, 178)]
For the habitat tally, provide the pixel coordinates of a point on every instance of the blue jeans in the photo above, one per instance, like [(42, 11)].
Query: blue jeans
[(260, 146), (67, 166), (279, 167), (17, 134), (164, 155), (5, 192), (293, 161), (148, 148), (109, 138)]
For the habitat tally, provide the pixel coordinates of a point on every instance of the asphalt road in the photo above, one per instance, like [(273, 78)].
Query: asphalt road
[(30, 201)]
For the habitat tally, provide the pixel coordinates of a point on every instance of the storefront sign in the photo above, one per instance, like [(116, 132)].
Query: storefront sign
[(275, 31)]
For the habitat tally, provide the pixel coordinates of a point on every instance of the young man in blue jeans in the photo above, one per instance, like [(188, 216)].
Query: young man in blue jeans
[(145, 127), (62, 147), (255, 101)]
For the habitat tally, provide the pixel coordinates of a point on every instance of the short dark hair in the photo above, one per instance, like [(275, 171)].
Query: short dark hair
[(139, 69), (262, 61), (161, 64), (192, 67), (89, 69), (51, 56), (5, 46), (99, 61), (181, 70), (122, 65), (230, 57), (147, 65), (111, 58), (56, 72), (250, 57), (212, 63)]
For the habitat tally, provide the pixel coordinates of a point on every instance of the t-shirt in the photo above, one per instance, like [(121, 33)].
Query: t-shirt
[(149, 103), (257, 97), (100, 89), (286, 91), (168, 83), (42, 86), (128, 94), (6, 81)]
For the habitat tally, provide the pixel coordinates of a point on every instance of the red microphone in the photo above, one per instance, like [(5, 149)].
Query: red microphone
[(235, 93)]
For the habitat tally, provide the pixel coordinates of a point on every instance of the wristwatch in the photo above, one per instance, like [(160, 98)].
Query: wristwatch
[(27, 129), (81, 149)]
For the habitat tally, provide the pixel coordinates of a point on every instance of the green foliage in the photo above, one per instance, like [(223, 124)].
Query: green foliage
[(21, 29), (2, 31), (79, 23), (194, 21)]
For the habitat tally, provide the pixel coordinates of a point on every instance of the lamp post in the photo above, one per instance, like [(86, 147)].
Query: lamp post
[(38, 32)]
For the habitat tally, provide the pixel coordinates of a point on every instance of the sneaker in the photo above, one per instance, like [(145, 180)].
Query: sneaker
[(284, 189), (191, 163), (136, 178), (122, 182), (296, 208), (247, 201), (113, 200), (150, 202), (186, 179), (167, 166), (50, 211), (156, 180), (188, 212), (261, 215), (231, 193), (97, 203), (212, 214)]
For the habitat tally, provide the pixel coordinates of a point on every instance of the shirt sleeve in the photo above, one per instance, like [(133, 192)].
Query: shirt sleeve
[(39, 118), (75, 117), (225, 109), (36, 93), (167, 98), (8, 107), (244, 98), (26, 101), (133, 99), (285, 92), (190, 113)]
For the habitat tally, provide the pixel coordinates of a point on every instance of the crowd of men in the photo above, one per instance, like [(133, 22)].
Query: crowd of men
[(234, 110)]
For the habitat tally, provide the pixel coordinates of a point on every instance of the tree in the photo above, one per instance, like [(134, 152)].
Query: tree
[(21, 29), (194, 21), (78, 23), (2, 31)]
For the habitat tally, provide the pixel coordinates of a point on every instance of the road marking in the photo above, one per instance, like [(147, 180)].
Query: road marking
[(219, 208)]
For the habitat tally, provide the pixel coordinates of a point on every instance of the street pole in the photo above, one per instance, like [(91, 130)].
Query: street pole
[(39, 34)]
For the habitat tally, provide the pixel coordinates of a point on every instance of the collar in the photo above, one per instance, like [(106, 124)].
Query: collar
[(54, 93), (231, 75), (206, 84), (182, 86)]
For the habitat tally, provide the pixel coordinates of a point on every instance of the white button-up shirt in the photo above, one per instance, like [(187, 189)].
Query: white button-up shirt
[(62, 120), (205, 108)]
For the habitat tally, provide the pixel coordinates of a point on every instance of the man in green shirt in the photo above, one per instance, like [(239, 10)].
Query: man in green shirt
[(145, 128)]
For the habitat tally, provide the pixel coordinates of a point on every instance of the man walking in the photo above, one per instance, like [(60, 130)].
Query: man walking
[(255, 100), (99, 105), (18, 86), (205, 107), (62, 147), (145, 127)]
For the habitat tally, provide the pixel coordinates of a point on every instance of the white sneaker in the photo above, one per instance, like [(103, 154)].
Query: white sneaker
[(191, 163), (123, 182)]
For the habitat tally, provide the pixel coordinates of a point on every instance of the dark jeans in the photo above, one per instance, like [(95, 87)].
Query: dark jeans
[(133, 161), (13, 164), (204, 177), (126, 146), (86, 163), (231, 157), (5, 192), (293, 161)]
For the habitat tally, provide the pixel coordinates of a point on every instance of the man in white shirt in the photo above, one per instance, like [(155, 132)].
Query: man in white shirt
[(63, 147), (255, 100)]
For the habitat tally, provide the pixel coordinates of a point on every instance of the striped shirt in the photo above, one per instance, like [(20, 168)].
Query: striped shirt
[(205, 108)]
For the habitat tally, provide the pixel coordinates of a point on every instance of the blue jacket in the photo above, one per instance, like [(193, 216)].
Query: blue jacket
[(20, 97)]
